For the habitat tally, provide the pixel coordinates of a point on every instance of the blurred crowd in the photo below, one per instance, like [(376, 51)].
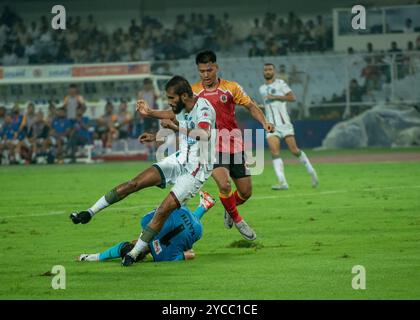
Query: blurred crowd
[(61, 134), (275, 36), (376, 70), (35, 42)]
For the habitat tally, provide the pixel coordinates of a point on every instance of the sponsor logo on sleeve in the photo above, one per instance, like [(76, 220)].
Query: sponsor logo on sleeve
[(157, 247)]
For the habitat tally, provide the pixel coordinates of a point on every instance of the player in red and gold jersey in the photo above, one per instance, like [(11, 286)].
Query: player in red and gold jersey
[(224, 95)]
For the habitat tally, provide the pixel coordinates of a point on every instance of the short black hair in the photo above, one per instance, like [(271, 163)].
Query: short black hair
[(205, 57), (180, 85), (73, 86), (269, 64)]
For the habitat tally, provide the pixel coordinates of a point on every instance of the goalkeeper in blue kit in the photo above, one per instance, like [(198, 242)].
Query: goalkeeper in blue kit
[(173, 243)]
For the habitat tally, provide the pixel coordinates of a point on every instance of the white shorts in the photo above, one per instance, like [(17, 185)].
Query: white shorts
[(185, 185), (282, 131)]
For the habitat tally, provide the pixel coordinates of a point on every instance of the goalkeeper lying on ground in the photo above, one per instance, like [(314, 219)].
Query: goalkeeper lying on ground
[(174, 242)]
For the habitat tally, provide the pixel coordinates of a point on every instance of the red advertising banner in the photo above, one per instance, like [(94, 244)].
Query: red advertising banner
[(111, 70)]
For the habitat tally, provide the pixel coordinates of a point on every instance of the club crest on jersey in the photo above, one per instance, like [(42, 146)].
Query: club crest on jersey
[(223, 98), (157, 247)]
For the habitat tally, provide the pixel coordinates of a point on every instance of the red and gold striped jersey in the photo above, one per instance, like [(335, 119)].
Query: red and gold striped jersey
[(224, 98)]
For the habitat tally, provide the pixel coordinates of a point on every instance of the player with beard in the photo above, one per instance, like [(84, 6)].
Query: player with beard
[(224, 95), (275, 93), (185, 169)]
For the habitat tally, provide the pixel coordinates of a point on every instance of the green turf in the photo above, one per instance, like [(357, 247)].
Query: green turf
[(308, 240)]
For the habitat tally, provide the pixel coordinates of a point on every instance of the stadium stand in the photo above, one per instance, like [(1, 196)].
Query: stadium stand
[(23, 42), (329, 85)]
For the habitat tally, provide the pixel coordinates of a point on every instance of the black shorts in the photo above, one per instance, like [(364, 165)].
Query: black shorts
[(234, 162)]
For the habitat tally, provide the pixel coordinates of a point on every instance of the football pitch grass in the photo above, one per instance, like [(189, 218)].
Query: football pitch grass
[(365, 213)]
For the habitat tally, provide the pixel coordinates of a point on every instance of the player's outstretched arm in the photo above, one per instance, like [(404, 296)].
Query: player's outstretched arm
[(288, 97), (144, 110), (258, 115)]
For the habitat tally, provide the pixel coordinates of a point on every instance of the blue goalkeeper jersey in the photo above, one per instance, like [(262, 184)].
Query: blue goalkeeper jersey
[(180, 231)]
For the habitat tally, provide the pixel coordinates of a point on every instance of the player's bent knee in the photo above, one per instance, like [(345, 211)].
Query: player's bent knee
[(225, 188), (246, 195)]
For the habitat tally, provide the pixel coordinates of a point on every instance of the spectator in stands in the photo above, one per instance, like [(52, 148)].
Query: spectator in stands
[(59, 134), (408, 64), (9, 57), (294, 76), (272, 49), (2, 116), (11, 135), (28, 118), (293, 36), (371, 74), (307, 43), (257, 32), (356, 91), (7, 140), (80, 133), (124, 121), (151, 95), (254, 51), (418, 43), (281, 30), (394, 48), (145, 51), (369, 48), (8, 17), (282, 74), (52, 112), (37, 135), (17, 119), (31, 51), (320, 34), (225, 32), (134, 31), (106, 129), (72, 101), (408, 27), (26, 122), (410, 46)]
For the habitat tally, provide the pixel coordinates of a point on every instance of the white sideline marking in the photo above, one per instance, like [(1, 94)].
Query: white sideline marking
[(329, 192), (280, 195)]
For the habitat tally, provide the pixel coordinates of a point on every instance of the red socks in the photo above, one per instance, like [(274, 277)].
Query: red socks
[(229, 202), (238, 198)]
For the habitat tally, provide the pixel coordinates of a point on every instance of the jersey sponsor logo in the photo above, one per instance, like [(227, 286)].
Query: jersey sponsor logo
[(273, 91), (223, 98), (157, 247)]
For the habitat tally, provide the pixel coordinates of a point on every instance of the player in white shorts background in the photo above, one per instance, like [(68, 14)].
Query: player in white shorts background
[(275, 93), (187, 169)]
